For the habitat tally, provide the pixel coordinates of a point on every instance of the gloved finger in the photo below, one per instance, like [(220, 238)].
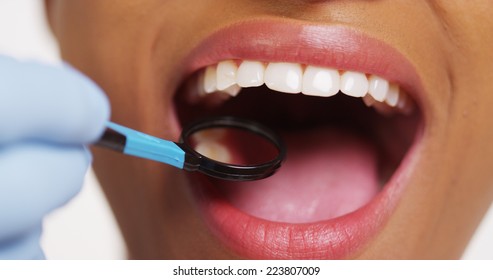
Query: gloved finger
[(36, 178), (55, 103), (24, 246)]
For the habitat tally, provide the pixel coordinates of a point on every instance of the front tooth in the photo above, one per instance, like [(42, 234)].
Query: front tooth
[(250, 74), (378, 88), (226, 74), (392, 96), (210, 81), (284, 77), (320, 81), (354, 84)]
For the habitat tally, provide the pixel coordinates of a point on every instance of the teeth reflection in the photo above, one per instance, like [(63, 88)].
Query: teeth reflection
[(209, 135), (208, 144), (213, 150)]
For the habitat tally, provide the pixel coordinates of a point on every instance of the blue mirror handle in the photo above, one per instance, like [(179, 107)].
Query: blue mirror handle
[(138, 144)]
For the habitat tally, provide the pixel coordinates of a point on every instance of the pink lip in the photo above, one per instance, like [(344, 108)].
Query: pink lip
[(331, 46)]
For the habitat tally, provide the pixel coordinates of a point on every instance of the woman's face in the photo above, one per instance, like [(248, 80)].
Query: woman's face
[(407, 177)]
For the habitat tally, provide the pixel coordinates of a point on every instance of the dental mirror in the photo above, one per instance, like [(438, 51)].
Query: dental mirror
[(227, 148)]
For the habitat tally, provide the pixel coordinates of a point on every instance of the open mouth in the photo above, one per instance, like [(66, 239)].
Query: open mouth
[(348, 130)]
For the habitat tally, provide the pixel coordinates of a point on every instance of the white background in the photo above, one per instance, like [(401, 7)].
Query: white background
[(85, 228)]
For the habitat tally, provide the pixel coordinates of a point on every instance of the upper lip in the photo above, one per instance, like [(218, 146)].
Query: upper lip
[(338, 47)]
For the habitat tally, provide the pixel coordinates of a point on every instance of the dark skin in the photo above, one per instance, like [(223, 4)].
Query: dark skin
[(132, 48)]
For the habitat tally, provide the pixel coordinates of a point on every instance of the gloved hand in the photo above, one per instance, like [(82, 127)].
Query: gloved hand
[(47, 115)]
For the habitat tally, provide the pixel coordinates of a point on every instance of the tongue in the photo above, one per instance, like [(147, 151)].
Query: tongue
[(327, 173)]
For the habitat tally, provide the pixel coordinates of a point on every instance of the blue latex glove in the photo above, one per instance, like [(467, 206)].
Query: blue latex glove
[(47, 115)]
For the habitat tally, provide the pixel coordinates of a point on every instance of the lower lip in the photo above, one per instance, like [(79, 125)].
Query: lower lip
[(338, 238)]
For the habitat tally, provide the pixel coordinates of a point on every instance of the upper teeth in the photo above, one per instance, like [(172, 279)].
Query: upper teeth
[(230, 76)]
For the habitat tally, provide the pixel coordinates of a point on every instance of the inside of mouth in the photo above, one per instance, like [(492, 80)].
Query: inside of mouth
[(340, 153)]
